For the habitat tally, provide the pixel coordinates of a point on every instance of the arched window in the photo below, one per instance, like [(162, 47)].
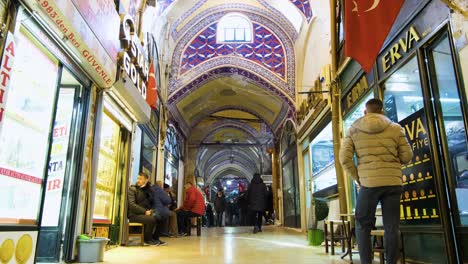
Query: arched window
[(234, 27)]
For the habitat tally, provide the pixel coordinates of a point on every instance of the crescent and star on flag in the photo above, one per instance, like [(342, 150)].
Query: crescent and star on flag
[(374, 6)]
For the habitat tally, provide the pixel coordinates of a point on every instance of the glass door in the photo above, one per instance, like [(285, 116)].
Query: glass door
[(291, 197), (111, 177), (61, 183), (452, 130), (308, 185)]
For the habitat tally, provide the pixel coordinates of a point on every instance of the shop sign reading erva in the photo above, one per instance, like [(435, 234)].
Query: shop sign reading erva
[(132, 60), (404, 44), (6, 69)]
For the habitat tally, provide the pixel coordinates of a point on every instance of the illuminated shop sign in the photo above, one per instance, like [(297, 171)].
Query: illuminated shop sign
[(132, 60), (353, 96), (403, 46), (6, 69)]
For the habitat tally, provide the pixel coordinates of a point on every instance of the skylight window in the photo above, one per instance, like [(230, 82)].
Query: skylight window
[(234, 27)]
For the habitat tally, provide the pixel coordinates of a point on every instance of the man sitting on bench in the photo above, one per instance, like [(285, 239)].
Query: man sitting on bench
[(140, 204), (194, 206)]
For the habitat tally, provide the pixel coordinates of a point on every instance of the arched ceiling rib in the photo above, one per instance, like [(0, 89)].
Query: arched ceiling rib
[(224, 89)]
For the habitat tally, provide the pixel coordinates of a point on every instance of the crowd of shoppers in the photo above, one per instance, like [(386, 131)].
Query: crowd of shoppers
[(248, 208)]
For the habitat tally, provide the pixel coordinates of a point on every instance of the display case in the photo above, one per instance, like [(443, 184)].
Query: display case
[(323, 163), (107, 170)]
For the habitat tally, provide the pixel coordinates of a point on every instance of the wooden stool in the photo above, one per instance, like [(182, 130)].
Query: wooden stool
[(132, 234), (378, 245), (344, 228), (198, 225)]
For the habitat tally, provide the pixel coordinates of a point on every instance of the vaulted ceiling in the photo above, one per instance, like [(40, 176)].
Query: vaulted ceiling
[(230, 97)]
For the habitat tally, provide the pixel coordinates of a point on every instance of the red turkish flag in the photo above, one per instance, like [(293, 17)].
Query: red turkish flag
[(367, 24), (151, 89)]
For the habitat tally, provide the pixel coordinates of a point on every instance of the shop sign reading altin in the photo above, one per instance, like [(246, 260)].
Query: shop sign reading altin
[(132, 60), (6, 69)]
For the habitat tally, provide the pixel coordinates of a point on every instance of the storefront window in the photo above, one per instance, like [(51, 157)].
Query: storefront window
[(24, 135), (358, 111), (107, 169), (323, 161), (402, 92), (147, 154), (454, 126), (171, 160), (354, 115)]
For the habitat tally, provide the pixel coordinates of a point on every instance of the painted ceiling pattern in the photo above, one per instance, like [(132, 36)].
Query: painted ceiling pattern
[(162, 5), (266, 50), (304, 7)]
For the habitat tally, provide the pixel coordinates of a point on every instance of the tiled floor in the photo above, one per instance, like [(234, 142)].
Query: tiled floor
[(228, 245)]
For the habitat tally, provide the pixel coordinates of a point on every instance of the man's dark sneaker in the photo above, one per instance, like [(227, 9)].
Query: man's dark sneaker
[(151, 243), (164, 234), (255, 231), (161, 243), (173, 235), (183, 234)]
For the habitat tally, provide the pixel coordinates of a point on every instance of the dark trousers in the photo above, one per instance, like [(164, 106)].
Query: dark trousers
[(148, 221), (368, 198), (258, 219), (183, 218), (219, 218), (159, 228)]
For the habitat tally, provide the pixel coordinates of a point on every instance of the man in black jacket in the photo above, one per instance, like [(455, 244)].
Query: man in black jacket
[(140, 204), (257, 194), (220, 207)]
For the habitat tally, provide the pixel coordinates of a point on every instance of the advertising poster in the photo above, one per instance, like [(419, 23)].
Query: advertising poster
[(418, 205), (17, 247)]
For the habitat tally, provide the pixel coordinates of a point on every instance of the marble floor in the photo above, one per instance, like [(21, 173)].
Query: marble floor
[(229, 245)]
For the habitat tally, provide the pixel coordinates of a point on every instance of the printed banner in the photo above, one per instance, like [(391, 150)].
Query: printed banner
[(418, 205)]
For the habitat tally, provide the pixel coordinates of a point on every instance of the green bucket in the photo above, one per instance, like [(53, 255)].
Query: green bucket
[(315, 237)]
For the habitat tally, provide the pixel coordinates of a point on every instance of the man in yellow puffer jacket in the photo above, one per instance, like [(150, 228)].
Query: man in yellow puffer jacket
[(381, 148)]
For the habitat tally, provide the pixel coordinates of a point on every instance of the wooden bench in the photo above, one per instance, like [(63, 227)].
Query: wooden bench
[(198, 225), (130, 227), (378, 245)]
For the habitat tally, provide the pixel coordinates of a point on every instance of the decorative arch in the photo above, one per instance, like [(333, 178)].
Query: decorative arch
[(213, 175), (228, 71), (240, 157), (231, 124), (304, 7), (265, 50), (280, 19), (261, 18), (288, 136), (230, 107)]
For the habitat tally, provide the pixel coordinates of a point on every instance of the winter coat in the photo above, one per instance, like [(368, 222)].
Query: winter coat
[(140, 200), (381, 148), (194, 201), (161, 201), (220, 203), (269, 201), (257, 194)]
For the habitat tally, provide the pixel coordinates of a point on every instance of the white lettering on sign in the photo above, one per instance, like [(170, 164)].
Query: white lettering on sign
[(6, 69), (132, 59)]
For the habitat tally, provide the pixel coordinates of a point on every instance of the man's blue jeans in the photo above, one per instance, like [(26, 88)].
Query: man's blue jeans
[(368, 198)]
